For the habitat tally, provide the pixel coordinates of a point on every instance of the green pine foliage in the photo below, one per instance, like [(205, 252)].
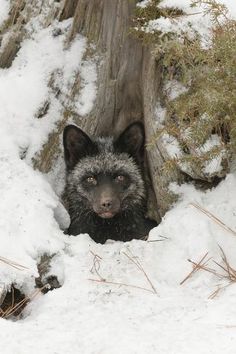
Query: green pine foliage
[(207, 106), (151, 12)]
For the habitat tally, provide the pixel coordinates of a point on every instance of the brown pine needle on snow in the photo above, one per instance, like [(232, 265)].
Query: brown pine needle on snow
[(13, 264), (214, 218), (21, 304), (96, 267), (120, 283), (196, 267), (228, 275), (140, 267)]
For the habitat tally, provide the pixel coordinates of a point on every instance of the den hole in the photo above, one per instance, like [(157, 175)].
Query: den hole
[(13, 303), (13, 300)]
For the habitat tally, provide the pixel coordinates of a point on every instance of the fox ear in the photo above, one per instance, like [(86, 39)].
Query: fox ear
[(131, 141), (77, 145)]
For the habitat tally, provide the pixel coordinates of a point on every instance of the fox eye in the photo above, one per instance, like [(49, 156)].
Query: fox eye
[(91, 180), (120, 178)]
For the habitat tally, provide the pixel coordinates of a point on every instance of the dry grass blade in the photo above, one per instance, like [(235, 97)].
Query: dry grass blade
[(229, 274), (207, 269), (162, 238), (216, 292), (226, 326), (230, 270), (120, 284), (196, 267), (96, 265), (13, 264), (214, 218), (140, 267), (21, 304)]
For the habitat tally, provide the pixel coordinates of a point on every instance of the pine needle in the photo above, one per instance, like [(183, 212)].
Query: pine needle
[(21, 304), (196, 267), (13, 264), (228, 275), (214, 218)]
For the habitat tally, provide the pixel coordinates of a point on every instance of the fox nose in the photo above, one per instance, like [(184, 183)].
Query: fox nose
[(106, 204), (107, 207)]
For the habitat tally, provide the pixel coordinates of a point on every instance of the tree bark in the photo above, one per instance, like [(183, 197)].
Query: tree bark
[(119, 97)]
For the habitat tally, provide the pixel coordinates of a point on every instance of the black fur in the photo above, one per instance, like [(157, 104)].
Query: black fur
[(105, 193)]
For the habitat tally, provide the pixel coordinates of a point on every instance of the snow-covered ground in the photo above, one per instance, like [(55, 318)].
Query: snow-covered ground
[(137, 309)]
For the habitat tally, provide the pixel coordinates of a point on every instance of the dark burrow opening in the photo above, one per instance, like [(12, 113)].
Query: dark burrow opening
[(13, 300)]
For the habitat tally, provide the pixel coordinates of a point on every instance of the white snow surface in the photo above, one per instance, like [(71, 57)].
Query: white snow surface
[(195, 20), (4, 9), (174, 89), (123, 314)]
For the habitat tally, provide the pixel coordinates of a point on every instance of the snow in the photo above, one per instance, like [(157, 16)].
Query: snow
[(122, 314), (215, 165), (5, 7), (88, 75), (172, 146), (174, 89), (160, 114), (31, 71), (106, 318), (28, 201), (195, 19), (143, 3)]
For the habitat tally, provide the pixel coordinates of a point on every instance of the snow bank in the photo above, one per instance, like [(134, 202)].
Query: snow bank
[(24, 87), (28, 227), (97, 317)]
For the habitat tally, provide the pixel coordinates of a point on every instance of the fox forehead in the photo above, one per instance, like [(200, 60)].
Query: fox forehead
[(104, 144), (106, 163)]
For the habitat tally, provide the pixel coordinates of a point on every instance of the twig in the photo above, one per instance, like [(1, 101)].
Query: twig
[(95, 255), (96, 264), (226, 326), (162, 238), (229, 276), (12, 309), (207, 269), (216, 292), (118, 283), (231, 271), (13, 264), (196, 267), (140, 267), (213, 217), (96, 267)]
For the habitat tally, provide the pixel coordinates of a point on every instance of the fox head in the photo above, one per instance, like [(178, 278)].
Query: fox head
[(104, 172)]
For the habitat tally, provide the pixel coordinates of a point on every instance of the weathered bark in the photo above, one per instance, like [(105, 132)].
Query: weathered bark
[(119, 99), (21, 13)]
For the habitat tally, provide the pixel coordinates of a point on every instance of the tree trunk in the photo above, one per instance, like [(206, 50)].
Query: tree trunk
[(119, 98)]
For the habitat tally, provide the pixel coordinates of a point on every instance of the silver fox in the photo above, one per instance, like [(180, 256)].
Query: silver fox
[(105, 191)]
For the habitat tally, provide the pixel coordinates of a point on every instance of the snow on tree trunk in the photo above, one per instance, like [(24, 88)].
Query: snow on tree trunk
[(128, 83)]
